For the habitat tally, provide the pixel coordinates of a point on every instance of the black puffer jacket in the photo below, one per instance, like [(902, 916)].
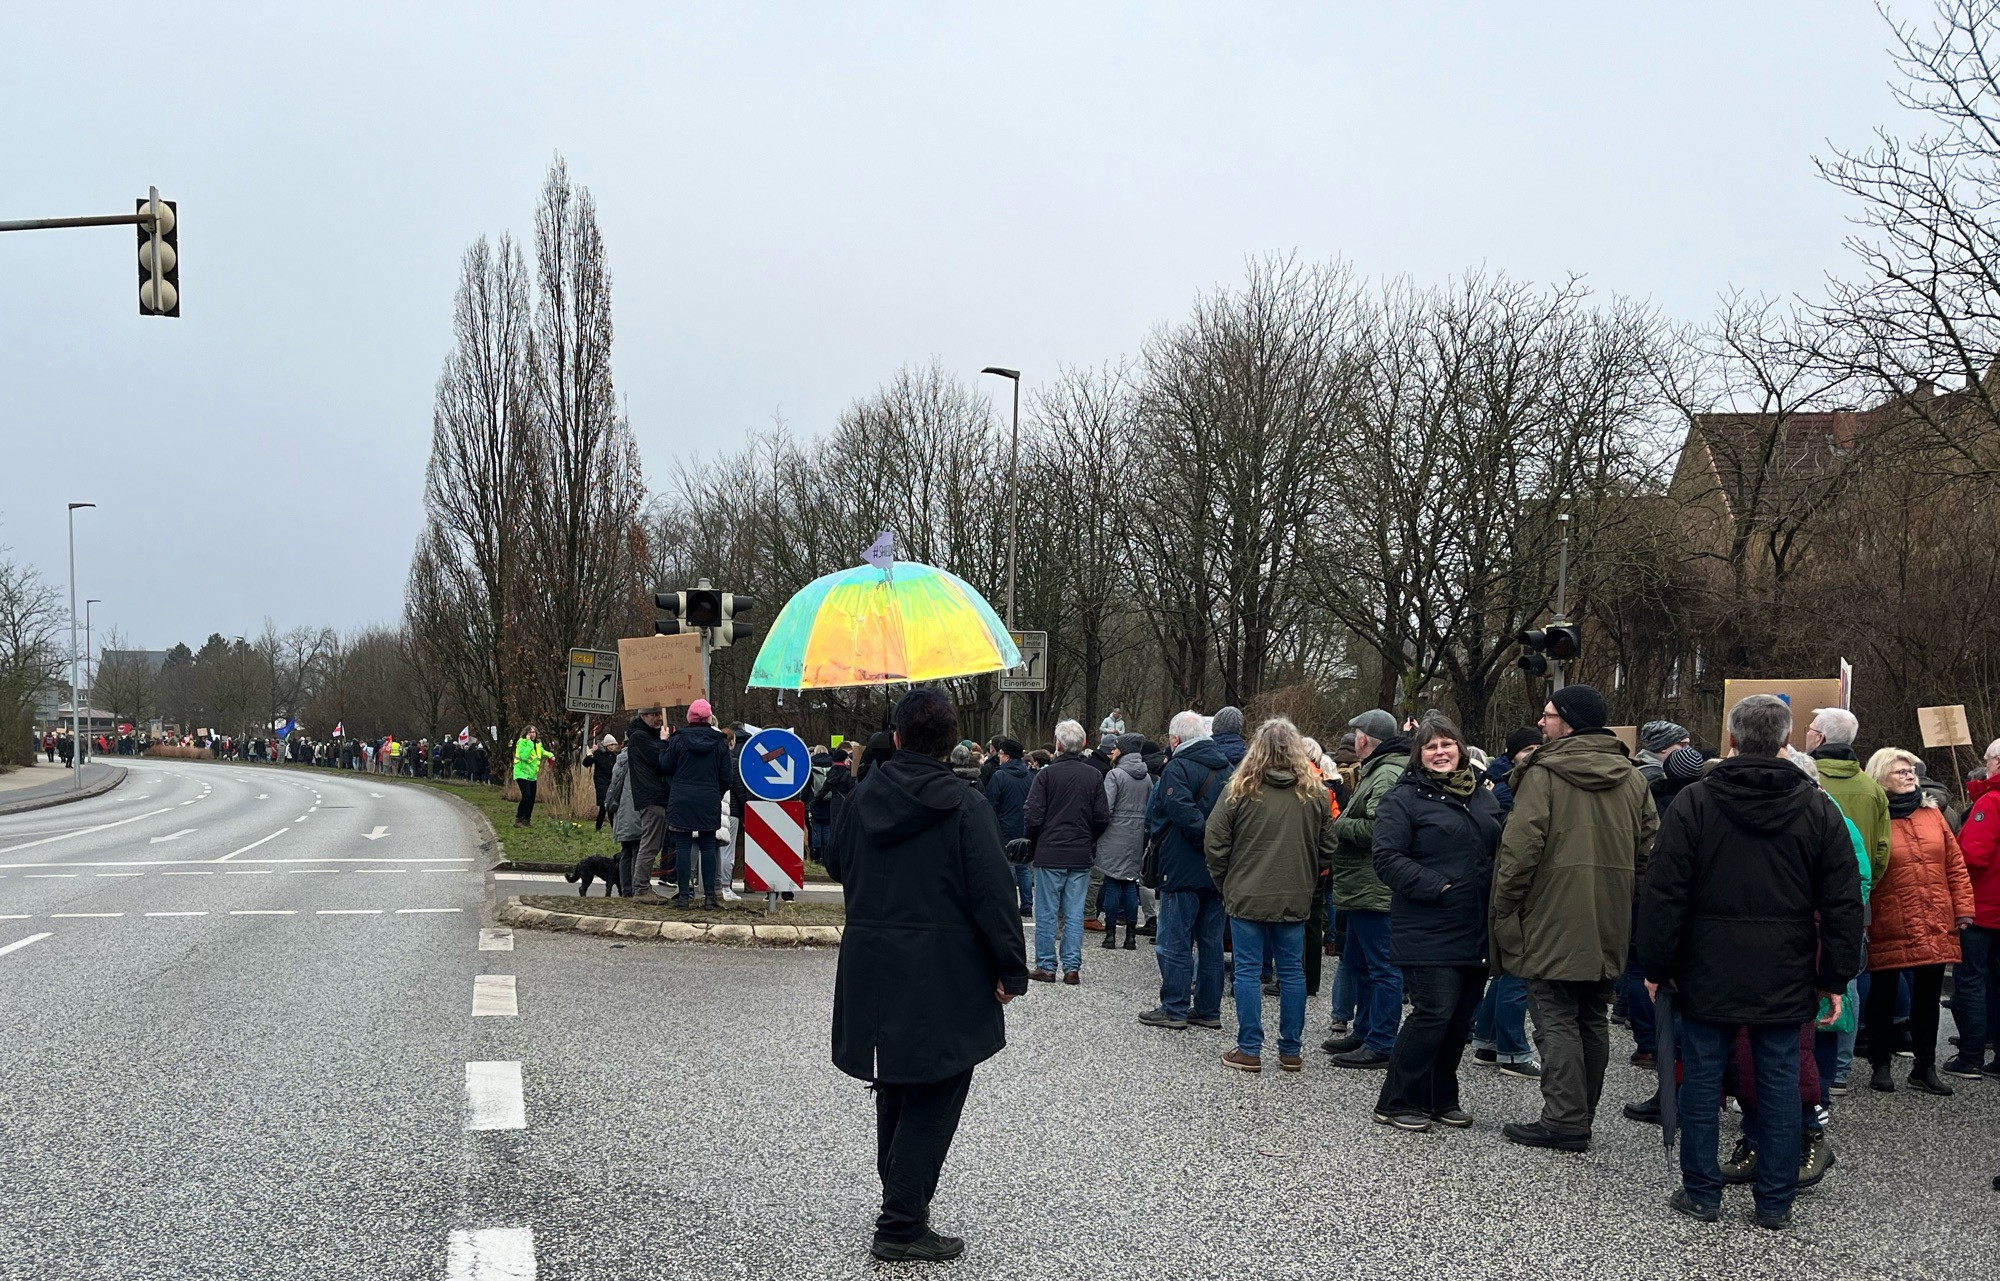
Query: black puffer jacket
[(698, 771), (1007, 792), (647, 755), (1752, 900), (1425, 840), (933, 924), (1067, 812)]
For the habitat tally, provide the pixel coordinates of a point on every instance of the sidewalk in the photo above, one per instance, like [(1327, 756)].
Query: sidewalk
[(44, 784)]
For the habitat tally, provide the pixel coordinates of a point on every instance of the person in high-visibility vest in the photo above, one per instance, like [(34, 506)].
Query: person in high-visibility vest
[(528, 757)]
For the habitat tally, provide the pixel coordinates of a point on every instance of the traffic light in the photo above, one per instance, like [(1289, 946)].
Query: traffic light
[(1565, 642), (728, 631), (1558, 642), (703, 609), (159, 259)]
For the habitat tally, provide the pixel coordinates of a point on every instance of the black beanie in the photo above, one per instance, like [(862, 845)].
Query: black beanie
[(1581, 707), (1520, 738)]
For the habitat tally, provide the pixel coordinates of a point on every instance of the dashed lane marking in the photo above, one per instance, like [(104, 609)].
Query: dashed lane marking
[(50, 876), (84, 916), (493, 996), (102, 875), (263, 911), (18, 944), (493, 1096), (426, 911), (490, 1254), (177, 914), (349, 911)]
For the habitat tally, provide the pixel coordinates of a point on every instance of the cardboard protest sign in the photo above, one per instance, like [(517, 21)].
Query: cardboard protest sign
[(660, 671), (1626, 734), (1805, 696), (1944, 726)]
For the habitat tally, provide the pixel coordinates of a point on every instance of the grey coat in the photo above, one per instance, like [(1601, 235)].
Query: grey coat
[(1121, 847), (624, 812)]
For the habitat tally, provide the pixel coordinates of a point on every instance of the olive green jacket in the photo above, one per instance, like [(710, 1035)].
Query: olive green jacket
[(1356, 888), (1267, 847), (1569, 861), (1864, 802)]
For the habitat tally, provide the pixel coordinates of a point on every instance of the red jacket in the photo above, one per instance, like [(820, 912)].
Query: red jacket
[(1980, 841)]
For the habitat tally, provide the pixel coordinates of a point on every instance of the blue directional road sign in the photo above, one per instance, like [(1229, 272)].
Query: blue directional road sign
[(774, 765)]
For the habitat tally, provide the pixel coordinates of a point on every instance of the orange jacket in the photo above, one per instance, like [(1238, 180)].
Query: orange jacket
[(1921, 897)]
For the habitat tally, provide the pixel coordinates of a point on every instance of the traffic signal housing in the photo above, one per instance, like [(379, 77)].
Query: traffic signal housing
[(1558, 642), (704, 609), (728, 631), (159, 292)]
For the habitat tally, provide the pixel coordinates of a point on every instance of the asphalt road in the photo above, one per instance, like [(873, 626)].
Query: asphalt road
[(315, 1095)]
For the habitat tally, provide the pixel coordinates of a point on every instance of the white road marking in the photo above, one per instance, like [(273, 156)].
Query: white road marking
[(493, 996), (50, 876), (82, 916), (249, 871), (84, 831), (185, 831), (375, 794), (187, 874), (253, 845), (262, 911), (398, 870), (375, 835), (496, 940), (493, 1097), (177, 914), (18, 944), (26, 916), (421, 911), (101, 875), (312, 871), (349, 911), (185, 862), (490, 1254), (263, 796), (303, 817)]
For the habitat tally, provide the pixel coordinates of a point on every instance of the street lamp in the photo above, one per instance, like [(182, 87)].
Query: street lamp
[(1013, 521), (75, 712)]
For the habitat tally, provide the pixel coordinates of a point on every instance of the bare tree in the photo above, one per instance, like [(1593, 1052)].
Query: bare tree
[(31, 654)]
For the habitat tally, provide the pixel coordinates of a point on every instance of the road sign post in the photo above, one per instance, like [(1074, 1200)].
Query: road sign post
[(592, 686), (774, 767), (1032, 676)]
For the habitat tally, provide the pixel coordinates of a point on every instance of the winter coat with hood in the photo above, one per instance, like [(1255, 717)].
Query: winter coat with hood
[(933, 924), (1752, 898), (1356, 887), (1266, 847), (1979, 843), (1121, 847), (645, 757), (698, 771), (1231, 746), (1007, 793), (1920, 899), (1066, 812), (1563, 881), (625, 824), (1435, 853), (1860, 797), (1189, 786)]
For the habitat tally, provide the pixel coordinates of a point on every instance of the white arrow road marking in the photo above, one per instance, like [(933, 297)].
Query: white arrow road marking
[(493, 1098), (375, 835), (185, 831), (493, 996), (263, 796), (18, 944), (490, 1254)]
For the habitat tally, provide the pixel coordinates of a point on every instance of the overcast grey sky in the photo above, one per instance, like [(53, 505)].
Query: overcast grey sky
[(798, 199)]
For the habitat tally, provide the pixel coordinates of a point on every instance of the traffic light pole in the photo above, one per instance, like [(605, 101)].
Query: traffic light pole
[(1562, 598)]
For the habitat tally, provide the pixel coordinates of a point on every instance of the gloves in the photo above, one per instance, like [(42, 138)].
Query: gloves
[(1021, 852)]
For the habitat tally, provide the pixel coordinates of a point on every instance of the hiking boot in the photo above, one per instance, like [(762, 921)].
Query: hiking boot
[(1160, 1018), (1882, 1079), (1291, 1063), (1242, 1062), (1682, 1203), (1340, 1044), (1741, 1167), (1526, 1069), (1414, 1122), (1815, 1160), (1456, 1118), (928, 1248), (1131, 938), (1363, 1059), (1927, 1080), (1534, 1134), (1110, 942), (1646, 1113), (1213, 1022)]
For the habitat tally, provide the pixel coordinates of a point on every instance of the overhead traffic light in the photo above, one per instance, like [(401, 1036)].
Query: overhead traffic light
[(159, 257), (704, 609), (1556, 643)]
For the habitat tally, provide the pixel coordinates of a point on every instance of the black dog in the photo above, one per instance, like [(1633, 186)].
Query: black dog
[(600, 867)]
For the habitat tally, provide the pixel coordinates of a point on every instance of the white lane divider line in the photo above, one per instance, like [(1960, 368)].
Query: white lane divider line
[(348, 911), (187, 874), (312, 871), (490, 1254), (249, 871), (253, 845), (25, 916), (493, 996), (493, 1097), (421, 911), (262, 911), (101, 875), (18, 944), (84, 831), (49, 876), (83, 916), (496, 940), (303, 817), (177, 914), (397, 870)]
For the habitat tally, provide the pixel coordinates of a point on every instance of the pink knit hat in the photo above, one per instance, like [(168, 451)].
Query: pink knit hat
[(699, 712)]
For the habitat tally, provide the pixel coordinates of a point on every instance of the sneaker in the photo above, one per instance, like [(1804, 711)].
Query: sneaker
[(1838, 1089), (1291, 1063), (1991, 1069), (1822, 1115), (1456, 1118), (1363, 1059), (1242, 1062), (1526, 1069), (1213, 1022), (1160, 1018), (1486, 1058), (1340, 1044), (1682, 1203), (1741, 1167), (1646, 1112), (1534, 1134), (1414, 1122), (1963, 1068), (1815, 1160), (928, 1248), (1027, 913)]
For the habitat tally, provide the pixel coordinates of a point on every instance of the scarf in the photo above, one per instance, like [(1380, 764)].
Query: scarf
[(1904, 804), (1459, 784)]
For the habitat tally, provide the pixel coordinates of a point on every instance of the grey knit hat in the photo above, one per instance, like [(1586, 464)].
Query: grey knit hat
[(1132, 744), (1376, 724), (1229, 720), (1658, 736)]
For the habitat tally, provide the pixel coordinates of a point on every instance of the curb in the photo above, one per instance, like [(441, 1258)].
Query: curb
[(514, 912), (75, 794)]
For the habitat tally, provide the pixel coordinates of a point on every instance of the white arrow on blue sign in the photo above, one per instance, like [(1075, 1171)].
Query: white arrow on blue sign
[(774, 765)]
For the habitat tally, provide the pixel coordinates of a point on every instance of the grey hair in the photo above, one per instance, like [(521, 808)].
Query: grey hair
[(1806, 765), (1993, 749), (1069, 737), (1761, 723), (961, 755), (1186, 726), (1836, 724)]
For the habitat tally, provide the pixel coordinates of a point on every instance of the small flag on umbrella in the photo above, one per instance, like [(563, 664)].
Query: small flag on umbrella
[(339, 728)]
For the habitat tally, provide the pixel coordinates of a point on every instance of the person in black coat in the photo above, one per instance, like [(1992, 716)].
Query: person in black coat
[(698, 769), (646, 755), (1188, 947), (1751, 912), (1007, 792), (1435, 834), (931, 953), (601, 762), (1066, 813)]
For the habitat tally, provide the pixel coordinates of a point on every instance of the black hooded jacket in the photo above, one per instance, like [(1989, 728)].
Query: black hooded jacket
[(933, 923), (1752, 900), (647, 752), (698, 771)]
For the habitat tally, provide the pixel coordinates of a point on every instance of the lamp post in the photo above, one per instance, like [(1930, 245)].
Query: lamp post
[(75, 712), (1013, 521), (89, 647)]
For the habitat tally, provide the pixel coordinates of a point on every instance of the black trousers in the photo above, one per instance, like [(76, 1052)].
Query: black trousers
[(914, 1125), (526, 809), (1926, 986), (1423, 1066)]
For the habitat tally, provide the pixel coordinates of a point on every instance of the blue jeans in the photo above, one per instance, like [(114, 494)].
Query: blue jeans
[(1189, 950), (1284, 942), (1059, 892), (684, 866), (1378, 985), (1343, 993), (1500, 1024), (1638, 1006), (1975, 995), (1773, 1131), (1024, 885), (1119, 901)]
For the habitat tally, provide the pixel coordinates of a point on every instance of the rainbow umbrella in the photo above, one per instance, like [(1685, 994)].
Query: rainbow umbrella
[(863, 626)]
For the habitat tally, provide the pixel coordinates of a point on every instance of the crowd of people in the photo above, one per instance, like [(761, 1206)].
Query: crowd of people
[(1758, 917)]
